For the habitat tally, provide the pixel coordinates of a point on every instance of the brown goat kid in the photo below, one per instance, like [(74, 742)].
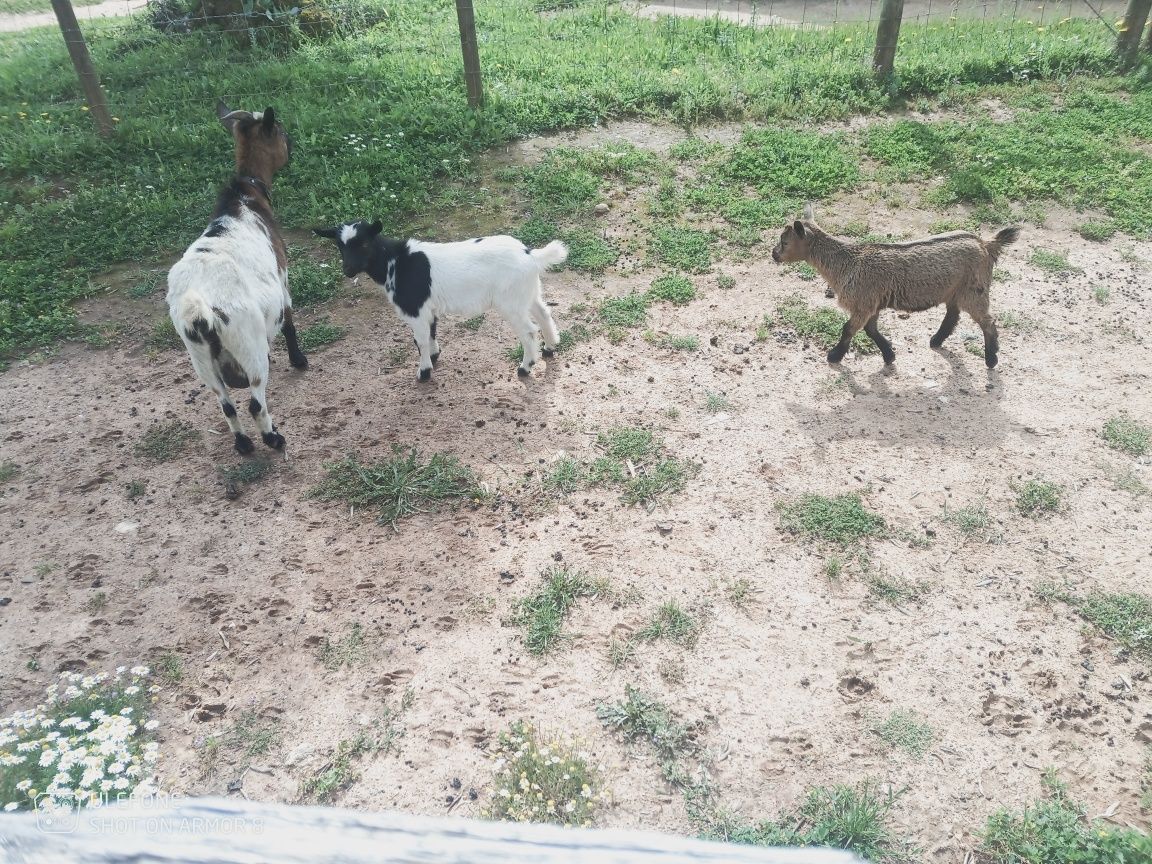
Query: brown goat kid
[(953, 268)]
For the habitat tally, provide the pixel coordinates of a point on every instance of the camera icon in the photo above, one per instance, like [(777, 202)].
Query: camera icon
[(55, 818)]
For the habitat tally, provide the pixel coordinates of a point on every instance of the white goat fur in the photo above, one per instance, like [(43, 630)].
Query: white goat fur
[(238, 276)]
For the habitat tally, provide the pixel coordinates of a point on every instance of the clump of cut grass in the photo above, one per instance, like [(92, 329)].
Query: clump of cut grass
[(96, 602), (135, 489), (319, 335), (628, 443), (974, 520), (565, 477), (169, 668), (165, 443), (821, 326), (665, 476), (855, 818), (1056, 828), (542, 614), (683, 248), (252, 734), (1012, 320), (677, 290), (1127, 435), (349, 650), (740, 592), (1125, 479), (1052, 262), (673, 623), (338, 773), (633, 459), (574, 335), (833, 568), (246, 472), (1101, 293), (1038, 498), (715, 402), (725, 282), (542, 778), (628, 311), (400, 486), (9, 471), (843, 519), (1127, 618), (588, 251), (903, 730), (1097, 230), (621, 652)]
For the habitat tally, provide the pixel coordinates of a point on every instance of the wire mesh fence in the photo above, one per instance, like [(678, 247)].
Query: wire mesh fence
[(633, 44)]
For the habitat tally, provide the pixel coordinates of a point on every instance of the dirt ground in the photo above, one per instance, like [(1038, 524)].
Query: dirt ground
[(787, 686)]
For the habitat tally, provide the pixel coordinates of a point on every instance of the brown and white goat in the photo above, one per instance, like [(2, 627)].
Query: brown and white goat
[(954, 269), (228, 296)]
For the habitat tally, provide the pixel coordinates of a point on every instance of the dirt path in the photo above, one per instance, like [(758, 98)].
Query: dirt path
[(786, 686), (110, 9)]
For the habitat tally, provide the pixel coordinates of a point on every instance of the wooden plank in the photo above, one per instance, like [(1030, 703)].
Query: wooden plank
[(231, 831)]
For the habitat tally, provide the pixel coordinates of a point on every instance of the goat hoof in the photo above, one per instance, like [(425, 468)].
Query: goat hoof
[(425, 375), (299, 361), (889, 359), (549, 353), (834, 357), (991, 361), (522, 372), (274, 440), (244, 444), (435, 357)]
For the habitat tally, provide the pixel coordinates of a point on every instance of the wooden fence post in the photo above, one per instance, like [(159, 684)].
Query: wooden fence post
[(85, 71), (887, 35), (467, 19), (1128, 42)]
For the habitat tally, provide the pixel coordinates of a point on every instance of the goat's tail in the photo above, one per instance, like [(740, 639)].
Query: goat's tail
[(200, 323), (1004, 237), (552, 254)]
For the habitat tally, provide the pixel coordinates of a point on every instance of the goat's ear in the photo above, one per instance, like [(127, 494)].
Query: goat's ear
[(222, 109), (374, 229), (798, 227), (330, 233), (269, 121), (808, 214)]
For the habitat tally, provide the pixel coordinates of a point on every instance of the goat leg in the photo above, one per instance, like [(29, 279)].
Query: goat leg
[(883, 344)]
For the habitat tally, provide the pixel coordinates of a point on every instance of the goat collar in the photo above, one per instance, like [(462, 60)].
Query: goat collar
[(260, 185)]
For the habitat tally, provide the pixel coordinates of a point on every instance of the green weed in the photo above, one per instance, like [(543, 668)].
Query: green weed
[(683, 248), (338, 773), (1053, 262), (566, 476), (247, 472), (163, 337), (169, 668), (9, 471), (473, 325), (974, 520), (135, 489), (715, 402), (673, 623), (628, 311), (1127, 435), (1038, 498), (894, 590), (349, 650), (843, 519), (165, 443), (675, 289), (542, 614), (903, 730), (400, 486), (319, 335), (1098, 231), (1101, 293), (1127, 618)]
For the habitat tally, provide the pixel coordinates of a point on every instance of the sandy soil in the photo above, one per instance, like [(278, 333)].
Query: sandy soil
[(787, 687), (12, 23)]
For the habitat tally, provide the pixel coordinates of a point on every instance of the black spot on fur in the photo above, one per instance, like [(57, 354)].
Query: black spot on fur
[(231, 374), (434, 320), (229, 410), (527, 251), (244, 444), (254, 407), (216, 228), (413, 272), (207, 334), (201, 249), (193, 336), (280, 317), (223, 316), (478, 239)]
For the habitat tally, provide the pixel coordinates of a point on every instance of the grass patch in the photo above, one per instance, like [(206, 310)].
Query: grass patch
[(589, 252), (96, 602), (974, 520), (896, 591), (843, 520), (628, 311), (1056, 828), (683, 248), (1038, 498), (473, 325), (1101, 294), (338, 773), (135, 489), (677, 290), (822, 325), (543, 778), (1127, 618), (163, 337), (1098, 231), (401, 486), (855, 818), (1127, 435), (542, 614), (1125, 479), (24, 7), (903, 730), (715, 402), (169, 668), (246, 472), (640, 717), (9, 471), (672, 343), (566, 476), (673, 623), (319, 335), (165, 443), (1052, 262), (347, 651)]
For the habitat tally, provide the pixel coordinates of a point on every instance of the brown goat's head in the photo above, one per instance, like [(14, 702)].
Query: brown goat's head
[(262, 145), (793, 245)]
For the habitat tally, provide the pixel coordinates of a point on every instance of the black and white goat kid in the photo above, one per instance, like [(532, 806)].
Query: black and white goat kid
[(426, 280), (228, 296)]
